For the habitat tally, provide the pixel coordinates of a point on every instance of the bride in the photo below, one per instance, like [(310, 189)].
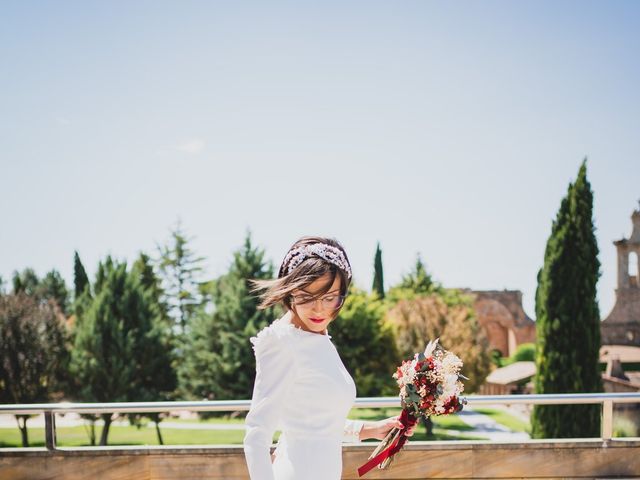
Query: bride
[(302, 387)]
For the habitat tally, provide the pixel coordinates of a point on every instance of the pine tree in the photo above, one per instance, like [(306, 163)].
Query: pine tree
[(53, 287), (568, 319), (164, 376), (418, 279), (26, 282), (418, 282), (120, 353), (218, 361), (143, 268), (378, 278), (180, 270)]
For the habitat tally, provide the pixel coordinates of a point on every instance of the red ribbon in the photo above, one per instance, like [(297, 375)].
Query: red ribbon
[(407, 421)]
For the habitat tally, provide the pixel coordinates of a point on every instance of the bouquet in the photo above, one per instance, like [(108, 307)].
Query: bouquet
[(429, 385)]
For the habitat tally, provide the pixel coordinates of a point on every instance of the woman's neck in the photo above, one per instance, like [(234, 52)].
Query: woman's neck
[(292, 318)]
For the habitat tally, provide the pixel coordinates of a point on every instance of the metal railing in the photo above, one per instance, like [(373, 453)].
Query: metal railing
[(606, 400)]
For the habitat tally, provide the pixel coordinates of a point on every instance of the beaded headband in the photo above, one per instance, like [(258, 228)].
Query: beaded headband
[(327, 252)]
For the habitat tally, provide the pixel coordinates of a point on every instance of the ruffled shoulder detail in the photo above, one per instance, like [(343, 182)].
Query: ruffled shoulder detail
[(273, 334)]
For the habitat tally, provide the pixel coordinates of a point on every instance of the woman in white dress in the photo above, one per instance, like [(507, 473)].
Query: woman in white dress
[(302, 387)]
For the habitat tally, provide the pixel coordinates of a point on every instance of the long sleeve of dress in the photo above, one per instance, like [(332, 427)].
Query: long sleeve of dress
[(274, 376), (352, 429)]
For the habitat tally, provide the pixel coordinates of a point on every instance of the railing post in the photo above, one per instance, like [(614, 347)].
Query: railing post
[(607, 419), (50, 430)]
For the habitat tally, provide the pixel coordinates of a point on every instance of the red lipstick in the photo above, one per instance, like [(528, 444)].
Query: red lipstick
[(317, 320)]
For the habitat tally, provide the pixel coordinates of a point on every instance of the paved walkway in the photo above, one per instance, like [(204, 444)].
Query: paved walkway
[(485, 426)]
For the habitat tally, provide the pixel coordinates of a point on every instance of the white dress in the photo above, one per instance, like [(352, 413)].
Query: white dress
[(302, 389)]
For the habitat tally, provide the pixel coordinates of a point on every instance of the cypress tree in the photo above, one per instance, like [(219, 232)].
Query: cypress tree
[(378, 278), (568, 319), (80, 278)]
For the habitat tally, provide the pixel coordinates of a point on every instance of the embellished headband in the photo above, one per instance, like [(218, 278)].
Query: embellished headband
[(327, 252)]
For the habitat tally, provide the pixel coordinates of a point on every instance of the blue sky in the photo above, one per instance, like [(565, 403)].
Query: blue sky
[(449, 130)]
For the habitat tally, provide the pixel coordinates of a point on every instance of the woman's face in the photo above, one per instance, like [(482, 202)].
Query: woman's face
[(314, 315)]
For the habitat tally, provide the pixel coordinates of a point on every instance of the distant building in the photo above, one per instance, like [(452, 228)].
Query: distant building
[(510, 380), (622, 326), (500, 314), (621, 329)]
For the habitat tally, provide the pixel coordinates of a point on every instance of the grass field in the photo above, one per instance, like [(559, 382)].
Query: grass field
[(78, 436), (130, 435)]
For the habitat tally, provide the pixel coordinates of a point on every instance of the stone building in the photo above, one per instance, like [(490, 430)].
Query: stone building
[(622, 326), (500, 314)]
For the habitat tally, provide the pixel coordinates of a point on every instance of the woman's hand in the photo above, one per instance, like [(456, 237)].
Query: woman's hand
[(381, 428)]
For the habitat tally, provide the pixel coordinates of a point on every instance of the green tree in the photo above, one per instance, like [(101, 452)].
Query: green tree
[(568, 319), (180, 270), (120, 352), (82, 298), (525, 352), (416, 283), (26, 282), (80, 278), (218, 361), (378, 277), (53, 287), (33, 353), (366, 345), (143, 267), (165, 382)]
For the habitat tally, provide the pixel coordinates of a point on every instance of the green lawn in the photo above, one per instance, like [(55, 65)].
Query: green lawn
[(78, 436), (128, 435), (233, 420)]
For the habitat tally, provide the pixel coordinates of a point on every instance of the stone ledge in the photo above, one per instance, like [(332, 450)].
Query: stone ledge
[(233, 449), (539, 459)]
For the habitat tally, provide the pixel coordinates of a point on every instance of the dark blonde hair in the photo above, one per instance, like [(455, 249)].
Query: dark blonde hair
[(279, 290)]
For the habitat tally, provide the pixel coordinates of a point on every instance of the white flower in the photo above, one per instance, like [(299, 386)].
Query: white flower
[(449, 386), (451, 363)]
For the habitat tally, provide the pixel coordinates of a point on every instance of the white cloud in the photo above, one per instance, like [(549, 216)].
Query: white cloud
[(192, 146)]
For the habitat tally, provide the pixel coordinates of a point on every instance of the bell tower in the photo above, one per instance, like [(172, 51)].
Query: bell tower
[(622, 326)]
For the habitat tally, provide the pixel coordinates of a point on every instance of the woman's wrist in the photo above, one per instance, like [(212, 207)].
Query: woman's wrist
[(365, 430)]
